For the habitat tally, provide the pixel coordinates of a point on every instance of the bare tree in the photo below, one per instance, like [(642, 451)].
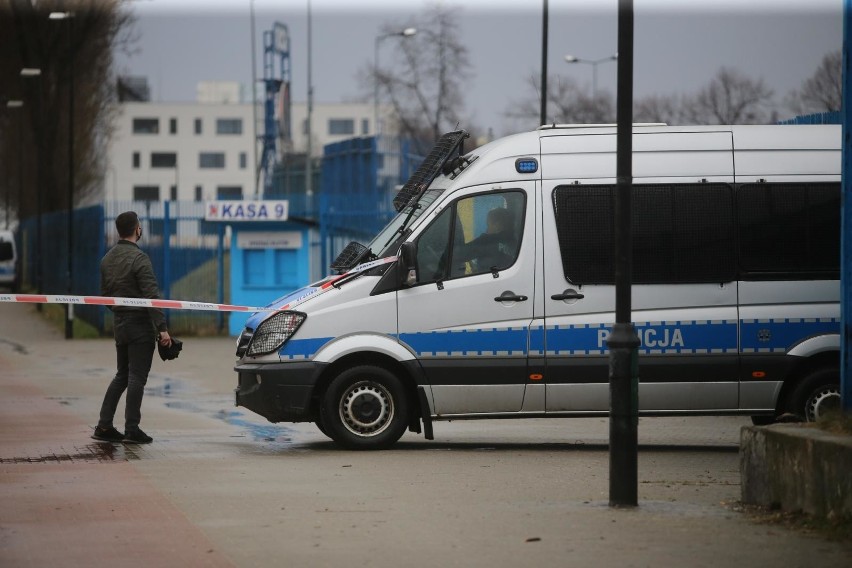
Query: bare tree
[(566, 104), (424, 84), (658, 108), (729, 98), (80, 48), (823, 91)]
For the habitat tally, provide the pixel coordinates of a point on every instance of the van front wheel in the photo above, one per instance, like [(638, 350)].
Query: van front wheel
[(365, 408)]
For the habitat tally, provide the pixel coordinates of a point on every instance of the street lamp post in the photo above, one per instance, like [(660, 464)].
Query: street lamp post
[(594, 63), (69, 308), (407, 32), (17, 104), (31, 73)]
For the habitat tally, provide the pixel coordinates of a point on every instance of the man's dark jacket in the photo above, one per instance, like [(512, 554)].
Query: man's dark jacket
[(126, 272)]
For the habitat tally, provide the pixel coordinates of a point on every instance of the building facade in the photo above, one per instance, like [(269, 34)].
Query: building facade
[(206, 151)]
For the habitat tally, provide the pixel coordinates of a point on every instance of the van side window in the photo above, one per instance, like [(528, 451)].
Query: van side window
[(6, 251), (682, 233), (789, 230), (474, 235)]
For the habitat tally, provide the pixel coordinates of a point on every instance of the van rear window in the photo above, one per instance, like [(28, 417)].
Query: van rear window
[(703, 233)]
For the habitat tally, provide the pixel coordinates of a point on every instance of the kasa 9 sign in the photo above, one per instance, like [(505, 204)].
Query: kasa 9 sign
[(231, 211)]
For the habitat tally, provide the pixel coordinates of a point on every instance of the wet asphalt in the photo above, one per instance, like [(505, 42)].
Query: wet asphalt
[(222, 486)]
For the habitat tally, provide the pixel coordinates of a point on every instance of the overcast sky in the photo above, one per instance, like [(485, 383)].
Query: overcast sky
[(679, 46)]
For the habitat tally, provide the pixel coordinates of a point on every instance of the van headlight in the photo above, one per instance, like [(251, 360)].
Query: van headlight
[(273, 332)]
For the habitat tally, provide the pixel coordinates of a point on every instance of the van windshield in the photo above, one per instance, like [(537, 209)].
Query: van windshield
[(390, 238)]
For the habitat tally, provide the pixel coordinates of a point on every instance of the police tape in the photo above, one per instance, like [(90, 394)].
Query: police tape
[(325, 286)]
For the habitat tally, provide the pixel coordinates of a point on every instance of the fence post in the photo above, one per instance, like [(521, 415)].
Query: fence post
[(220, 273), (167, 273)]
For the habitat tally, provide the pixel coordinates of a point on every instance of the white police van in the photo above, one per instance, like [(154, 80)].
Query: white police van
[(491, 294)]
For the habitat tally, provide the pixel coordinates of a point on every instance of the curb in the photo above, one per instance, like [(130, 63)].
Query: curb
[(797, 468)]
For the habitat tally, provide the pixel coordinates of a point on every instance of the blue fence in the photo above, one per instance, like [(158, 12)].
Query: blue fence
[(351, 200), (832, 117), (188, 255), (360, 177)]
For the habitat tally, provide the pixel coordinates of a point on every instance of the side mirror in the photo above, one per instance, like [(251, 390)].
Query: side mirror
[(408, 264)]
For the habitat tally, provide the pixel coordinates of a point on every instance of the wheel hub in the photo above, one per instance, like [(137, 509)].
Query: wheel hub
[(366, 408), (824, 400)]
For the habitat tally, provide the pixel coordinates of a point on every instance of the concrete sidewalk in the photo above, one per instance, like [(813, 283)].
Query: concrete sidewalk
[(222, 487), (61, 505)]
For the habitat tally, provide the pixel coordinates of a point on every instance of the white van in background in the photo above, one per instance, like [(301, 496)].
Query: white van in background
[(491, 294), (8, 261)]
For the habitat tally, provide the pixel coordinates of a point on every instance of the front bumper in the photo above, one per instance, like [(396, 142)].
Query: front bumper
[(280, 392)]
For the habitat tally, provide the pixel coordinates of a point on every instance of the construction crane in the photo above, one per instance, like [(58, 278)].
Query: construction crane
[(276, 138)]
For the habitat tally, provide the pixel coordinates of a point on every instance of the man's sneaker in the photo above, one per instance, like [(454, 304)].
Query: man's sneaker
[(108, 434), (137, 437)]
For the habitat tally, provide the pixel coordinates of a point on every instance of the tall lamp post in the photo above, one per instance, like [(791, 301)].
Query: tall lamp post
[(32, 73), (17, 104), (69, 308), (407, 32), (594, 63)]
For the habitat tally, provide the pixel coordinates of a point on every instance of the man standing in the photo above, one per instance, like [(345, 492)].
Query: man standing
[(126, 272)]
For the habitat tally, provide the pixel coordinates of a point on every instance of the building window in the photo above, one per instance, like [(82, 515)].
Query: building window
[(146, 193), (136, 160), (365, 126), (163, 160), (198, 193), (339, 126), (229, 126), (173, 193), (146, 126), (243, 160), (198, 126), (172, 126), (208, 160), (229, 192)]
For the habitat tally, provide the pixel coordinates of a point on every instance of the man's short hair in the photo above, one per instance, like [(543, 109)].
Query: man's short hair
[(126, 224)]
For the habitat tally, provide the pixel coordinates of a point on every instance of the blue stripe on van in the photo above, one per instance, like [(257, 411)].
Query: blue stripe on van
[(296, 349), (779, 335), (487, 342), (656, 338)]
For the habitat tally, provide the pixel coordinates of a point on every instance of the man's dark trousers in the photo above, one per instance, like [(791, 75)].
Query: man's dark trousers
[(135, 340)]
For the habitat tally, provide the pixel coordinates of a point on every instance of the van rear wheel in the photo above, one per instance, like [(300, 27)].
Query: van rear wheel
[(365, 408), (817, 394)]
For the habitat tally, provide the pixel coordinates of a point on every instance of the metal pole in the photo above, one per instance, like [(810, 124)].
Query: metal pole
[(595, 81), (309, 174), (846, 219), (544, 26), (376, 85), (69, 308), (624, 343), (254, 104)]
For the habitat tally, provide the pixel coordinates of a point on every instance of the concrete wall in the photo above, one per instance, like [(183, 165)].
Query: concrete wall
[(797, 468)]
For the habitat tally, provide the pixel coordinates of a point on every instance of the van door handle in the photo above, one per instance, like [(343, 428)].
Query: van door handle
[(568, 294), (509, 296)]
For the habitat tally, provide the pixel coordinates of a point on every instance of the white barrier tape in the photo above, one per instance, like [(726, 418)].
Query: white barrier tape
[(182, 304)]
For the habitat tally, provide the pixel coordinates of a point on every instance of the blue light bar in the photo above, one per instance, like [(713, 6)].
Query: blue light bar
[(526, 165)]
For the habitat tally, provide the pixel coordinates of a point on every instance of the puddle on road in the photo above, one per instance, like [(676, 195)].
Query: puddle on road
[(180, 397), (101, 452)]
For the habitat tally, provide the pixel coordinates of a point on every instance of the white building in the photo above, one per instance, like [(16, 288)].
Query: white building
[(205, 151)]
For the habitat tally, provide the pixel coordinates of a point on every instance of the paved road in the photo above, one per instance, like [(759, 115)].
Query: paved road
[(223, 487)]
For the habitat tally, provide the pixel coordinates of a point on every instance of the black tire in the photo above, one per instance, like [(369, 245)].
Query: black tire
[(321, 425), (816, 394), (365, 408)]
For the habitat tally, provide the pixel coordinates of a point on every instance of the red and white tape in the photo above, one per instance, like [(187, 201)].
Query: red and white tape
[(184, 304)]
